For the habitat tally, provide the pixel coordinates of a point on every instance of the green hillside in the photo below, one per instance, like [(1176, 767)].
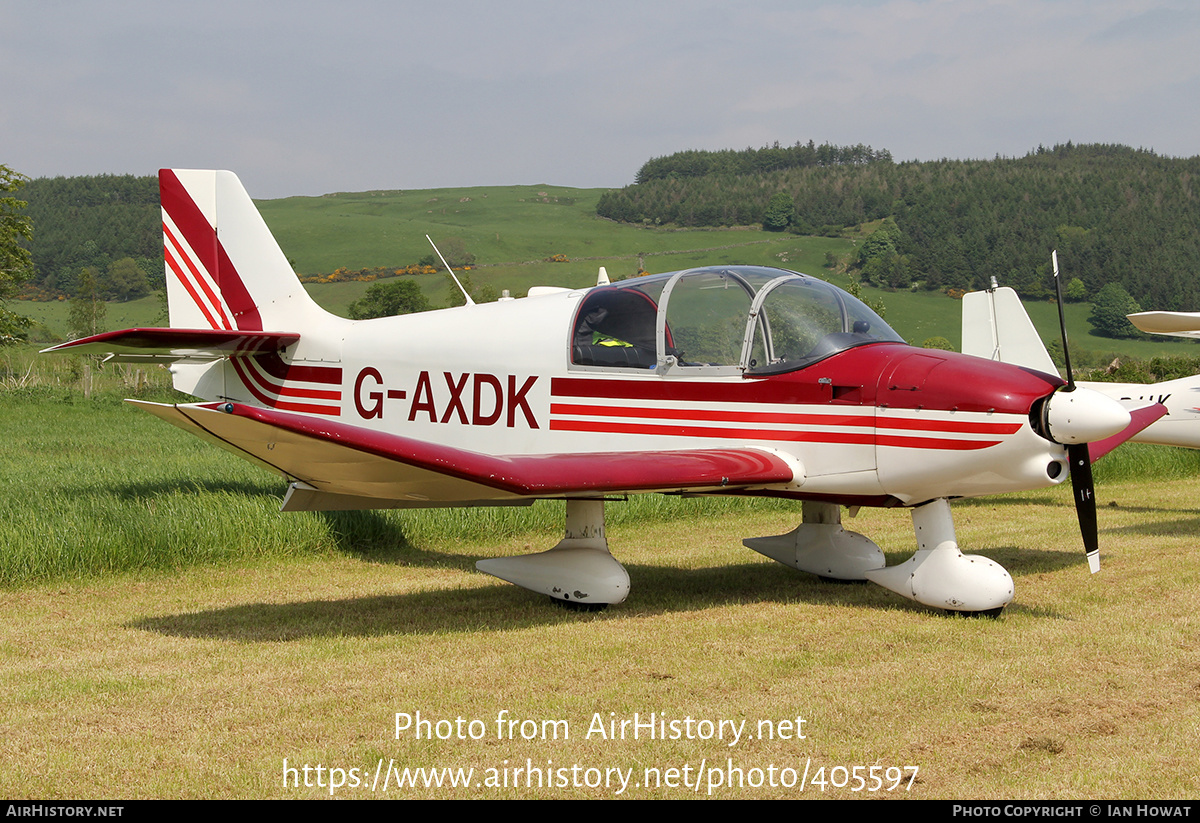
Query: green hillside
[(502, 225), (512, 230)]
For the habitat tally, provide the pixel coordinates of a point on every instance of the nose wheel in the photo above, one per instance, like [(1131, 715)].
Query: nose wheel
[(940, 575)]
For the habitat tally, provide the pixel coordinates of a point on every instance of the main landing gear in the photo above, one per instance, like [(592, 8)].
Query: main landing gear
[(580, 573), (938, 575)]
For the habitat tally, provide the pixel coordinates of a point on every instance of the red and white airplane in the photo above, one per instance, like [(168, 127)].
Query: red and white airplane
[(726, 380)]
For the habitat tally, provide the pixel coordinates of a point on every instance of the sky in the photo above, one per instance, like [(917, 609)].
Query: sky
[(307, 98)]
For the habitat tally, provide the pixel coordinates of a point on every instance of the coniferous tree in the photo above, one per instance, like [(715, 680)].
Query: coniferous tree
[(15, 262)]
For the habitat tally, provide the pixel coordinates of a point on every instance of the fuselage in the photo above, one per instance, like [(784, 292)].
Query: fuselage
[(1181, 397), (877, 422), (721, 380)]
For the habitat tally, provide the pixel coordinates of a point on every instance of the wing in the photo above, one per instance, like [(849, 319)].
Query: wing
[(1174, 323), (340, 466), (175, 345)]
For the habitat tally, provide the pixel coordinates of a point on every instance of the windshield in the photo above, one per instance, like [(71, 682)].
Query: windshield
[(750, 319), (803, 320)]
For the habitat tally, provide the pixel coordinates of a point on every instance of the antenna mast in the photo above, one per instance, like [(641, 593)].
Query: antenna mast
[(470, 302)]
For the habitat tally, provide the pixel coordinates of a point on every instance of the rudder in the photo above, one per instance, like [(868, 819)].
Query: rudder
[(224, 269)]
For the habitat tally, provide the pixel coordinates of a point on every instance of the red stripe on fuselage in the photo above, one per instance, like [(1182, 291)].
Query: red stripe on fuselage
[(249, 381), (936, 443), (742, 391), (273, 365), (253, 370), (956, 426), (613, 427), (721, 415), (846, 437), (786, 418)]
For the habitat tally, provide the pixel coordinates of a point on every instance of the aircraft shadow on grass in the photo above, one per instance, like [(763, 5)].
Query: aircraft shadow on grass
[(375, 537), (1180, 527), (149, 490), (499, 608), (366, 534), (1047, 502)]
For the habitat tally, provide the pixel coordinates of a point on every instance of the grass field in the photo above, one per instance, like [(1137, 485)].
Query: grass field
[(167, 632)]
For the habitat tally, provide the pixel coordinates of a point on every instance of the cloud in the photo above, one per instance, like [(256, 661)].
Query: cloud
[(370, 94)]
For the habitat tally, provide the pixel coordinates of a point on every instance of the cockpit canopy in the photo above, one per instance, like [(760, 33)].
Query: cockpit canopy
[(748, 319)]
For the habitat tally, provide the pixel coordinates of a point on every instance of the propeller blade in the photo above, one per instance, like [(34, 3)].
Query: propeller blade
[(1085, 502), (1062, 322), (1081, 461)]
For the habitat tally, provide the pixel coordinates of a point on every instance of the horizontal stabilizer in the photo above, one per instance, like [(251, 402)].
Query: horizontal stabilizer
[(342, 459), (175, 345)]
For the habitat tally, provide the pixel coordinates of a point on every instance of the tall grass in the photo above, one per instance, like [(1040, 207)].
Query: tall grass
[(1145, 462), (23, 370), (94, 486)]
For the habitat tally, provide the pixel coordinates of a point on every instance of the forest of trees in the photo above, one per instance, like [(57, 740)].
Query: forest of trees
[(106, 224), (1115, 214), (757, 161)]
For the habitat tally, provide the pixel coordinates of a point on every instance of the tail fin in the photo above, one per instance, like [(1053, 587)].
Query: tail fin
[(242, 326), (226, 272), (224, 269), (995, 326)]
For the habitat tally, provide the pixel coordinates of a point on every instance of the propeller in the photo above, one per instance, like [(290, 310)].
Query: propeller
[(1077, 452)]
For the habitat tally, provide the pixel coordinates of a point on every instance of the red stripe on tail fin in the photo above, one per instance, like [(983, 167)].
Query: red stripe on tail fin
[(201, 236)]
